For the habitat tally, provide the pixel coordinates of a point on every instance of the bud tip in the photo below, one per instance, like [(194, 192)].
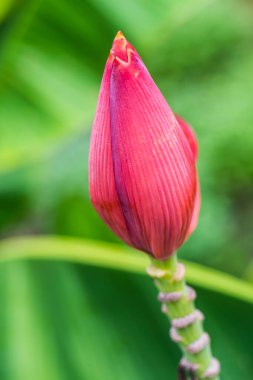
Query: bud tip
[(119, 48), (119, 35)]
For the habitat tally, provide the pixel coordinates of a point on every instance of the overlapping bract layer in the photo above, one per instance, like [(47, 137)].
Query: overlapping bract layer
[(142, 159)]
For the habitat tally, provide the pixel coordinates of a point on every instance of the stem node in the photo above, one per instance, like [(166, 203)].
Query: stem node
[(186, 321)]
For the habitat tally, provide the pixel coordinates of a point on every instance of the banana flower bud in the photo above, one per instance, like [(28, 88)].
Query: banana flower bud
[(142, 162)]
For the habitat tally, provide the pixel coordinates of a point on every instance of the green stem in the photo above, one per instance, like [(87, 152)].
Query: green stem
[(170, 280)]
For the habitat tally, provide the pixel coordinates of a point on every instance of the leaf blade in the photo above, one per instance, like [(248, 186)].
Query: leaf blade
[(113, 256)]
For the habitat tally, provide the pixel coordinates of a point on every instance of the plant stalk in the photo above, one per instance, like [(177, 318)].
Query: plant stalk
[(186, 321)]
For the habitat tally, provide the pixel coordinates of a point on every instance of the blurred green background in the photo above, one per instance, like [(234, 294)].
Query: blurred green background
[(65, 320)]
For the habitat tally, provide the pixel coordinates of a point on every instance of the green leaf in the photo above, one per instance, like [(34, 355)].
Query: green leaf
[(28, 349), (62, 321), (112, 256), (248, 275)]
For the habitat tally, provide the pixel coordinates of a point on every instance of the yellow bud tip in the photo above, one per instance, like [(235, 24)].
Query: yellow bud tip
[(119, 47), (119, 36)]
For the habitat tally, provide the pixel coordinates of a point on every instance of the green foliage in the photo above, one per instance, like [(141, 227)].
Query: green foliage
[(112, 256), (82, 322), (69, 321)]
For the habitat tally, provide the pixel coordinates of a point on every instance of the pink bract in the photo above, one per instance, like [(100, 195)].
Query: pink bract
[(142, 173)]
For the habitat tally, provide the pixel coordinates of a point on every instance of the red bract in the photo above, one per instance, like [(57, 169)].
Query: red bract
[(190, 135), (142, 160)]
